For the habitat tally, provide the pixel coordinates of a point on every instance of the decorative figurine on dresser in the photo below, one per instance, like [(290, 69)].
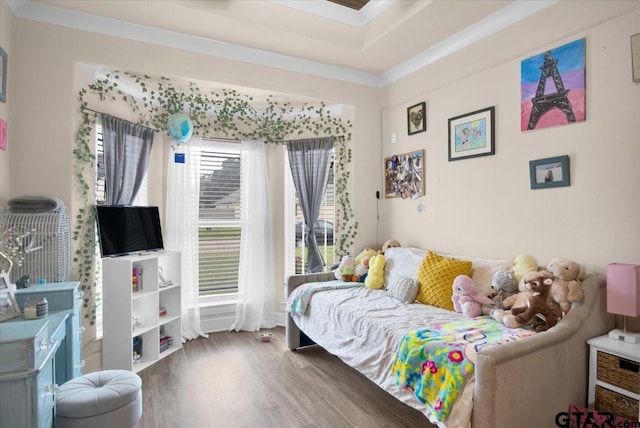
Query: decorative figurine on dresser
[(39, 350)]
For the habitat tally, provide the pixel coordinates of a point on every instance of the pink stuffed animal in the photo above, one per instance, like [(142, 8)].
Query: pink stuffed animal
[(466, 299)]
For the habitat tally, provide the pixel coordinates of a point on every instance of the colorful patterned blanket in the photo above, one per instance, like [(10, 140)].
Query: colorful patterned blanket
[(437, 362), (299, 298)]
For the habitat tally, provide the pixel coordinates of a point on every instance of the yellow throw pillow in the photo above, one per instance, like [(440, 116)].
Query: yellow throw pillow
[(435, 279)]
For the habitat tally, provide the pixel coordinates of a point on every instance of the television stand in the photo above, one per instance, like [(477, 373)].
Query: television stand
[(136, 331)]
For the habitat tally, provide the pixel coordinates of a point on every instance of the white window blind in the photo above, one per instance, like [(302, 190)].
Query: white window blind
[(219, 217)]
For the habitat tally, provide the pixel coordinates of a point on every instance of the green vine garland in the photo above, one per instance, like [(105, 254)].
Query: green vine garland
[(216, 114)]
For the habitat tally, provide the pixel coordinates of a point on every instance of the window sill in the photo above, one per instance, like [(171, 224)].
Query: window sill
[(218, 300)]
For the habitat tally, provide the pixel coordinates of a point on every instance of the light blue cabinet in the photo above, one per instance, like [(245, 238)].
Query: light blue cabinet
[(37, 355)]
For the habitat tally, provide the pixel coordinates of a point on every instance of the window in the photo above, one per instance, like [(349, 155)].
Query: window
[(295, 228), (219, 217)]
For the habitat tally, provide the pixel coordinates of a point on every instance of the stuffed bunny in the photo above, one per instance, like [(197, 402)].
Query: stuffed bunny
[(466, 299)]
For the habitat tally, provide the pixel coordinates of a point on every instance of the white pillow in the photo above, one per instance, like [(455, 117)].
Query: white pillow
[(403, 289), (402, 261)]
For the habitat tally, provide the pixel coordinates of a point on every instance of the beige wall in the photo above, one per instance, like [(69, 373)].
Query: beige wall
[(6, 26), (484, 206)]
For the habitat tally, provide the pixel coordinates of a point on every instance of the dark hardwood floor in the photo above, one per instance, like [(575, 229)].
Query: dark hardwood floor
[(234, 380)]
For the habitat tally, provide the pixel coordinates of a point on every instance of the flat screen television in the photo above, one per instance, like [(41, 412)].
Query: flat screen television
[(127, 229)]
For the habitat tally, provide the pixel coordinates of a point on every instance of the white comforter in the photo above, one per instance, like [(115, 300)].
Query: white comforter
[(364, 328)]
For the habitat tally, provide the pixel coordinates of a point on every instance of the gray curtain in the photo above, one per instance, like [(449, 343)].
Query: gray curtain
[(310, 162), (126, 156)]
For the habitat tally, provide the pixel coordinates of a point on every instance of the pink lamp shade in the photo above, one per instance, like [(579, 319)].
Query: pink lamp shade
[(623, 289)]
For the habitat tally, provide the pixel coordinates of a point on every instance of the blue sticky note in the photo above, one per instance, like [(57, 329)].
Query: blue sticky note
[(178, 158)]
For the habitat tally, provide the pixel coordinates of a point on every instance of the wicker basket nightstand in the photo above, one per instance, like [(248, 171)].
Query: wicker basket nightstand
[(614, 377)]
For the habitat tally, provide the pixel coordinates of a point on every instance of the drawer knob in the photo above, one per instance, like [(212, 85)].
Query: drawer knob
[(51, 389), (80, 329), (79, 294), (80, 364), (47, 343)]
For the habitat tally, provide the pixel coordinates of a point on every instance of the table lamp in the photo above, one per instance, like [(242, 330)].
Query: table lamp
[(623, 297)]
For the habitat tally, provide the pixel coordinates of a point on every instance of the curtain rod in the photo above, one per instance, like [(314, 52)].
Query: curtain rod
[(90, 109), (226, 140)]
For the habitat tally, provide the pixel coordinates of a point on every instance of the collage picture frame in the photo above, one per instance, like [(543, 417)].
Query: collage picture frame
[(404, 175)]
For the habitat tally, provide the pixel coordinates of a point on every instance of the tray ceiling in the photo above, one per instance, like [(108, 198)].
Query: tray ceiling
[(382, 42)]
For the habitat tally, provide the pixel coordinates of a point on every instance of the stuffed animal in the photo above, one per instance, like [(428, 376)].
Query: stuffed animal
[(539, 304), (522, 296), (504, 285), (520, 300), (522, 264), (467, 300), (345, 269), (362, 270), (362, 263), (391, 243), (567, 282), (375, 277), (367, 253)]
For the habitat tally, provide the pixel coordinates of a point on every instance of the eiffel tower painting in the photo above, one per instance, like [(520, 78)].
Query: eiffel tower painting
[(558, 79)]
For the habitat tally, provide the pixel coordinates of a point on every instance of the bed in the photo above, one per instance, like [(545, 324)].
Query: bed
[(520, 383)]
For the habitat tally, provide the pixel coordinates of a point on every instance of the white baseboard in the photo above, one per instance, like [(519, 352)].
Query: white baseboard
[(221, 318)]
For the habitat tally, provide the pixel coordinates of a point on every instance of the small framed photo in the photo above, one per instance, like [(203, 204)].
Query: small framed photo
[(8, 305), (472, 134), (3, 75), (404, 175), (635, 57), (549, 172), (417, 118)]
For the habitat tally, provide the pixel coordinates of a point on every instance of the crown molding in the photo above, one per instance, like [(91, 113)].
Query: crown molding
[(505, 17), (498, 21)]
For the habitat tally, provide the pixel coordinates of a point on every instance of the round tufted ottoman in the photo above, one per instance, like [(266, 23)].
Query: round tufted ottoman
[(110, 398)]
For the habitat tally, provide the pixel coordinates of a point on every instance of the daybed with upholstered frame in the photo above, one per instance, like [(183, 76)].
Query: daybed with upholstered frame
[(518, 384)]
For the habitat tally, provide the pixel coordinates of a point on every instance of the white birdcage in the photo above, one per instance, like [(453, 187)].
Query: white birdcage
[(41, 242)]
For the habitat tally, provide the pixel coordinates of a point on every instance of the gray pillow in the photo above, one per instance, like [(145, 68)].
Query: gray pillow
[(403, 289)]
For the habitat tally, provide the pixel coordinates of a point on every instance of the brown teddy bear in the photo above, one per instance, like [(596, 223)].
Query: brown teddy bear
[(519, 300), (567, 283), (539, 304)]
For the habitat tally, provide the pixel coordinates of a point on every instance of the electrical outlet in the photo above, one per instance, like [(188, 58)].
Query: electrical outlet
[(377, 194)]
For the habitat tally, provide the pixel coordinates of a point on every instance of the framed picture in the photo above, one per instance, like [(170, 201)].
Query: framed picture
[(417, 118), (549, 172), (404, 175), (3, 135), (3, 75), (635, 57), (8, 305), (553, 87), (472, 134)]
